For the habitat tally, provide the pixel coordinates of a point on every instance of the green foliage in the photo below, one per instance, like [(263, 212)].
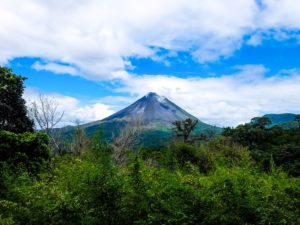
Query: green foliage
[(188, 154), (297, 120), (250, 197), (283, 145), (26, 150), (76, 191), (210, 183), (260, 122), (207, 156), (80, 141), (13, 112)]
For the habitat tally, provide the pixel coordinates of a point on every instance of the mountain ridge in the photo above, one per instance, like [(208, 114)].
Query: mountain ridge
[(285, 120)]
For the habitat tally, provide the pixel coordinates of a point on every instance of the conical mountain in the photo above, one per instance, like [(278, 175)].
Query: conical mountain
[(153, 113), (151, 108)]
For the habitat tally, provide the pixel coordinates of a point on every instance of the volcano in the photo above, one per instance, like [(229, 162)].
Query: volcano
[(151, 108), (153, 113)]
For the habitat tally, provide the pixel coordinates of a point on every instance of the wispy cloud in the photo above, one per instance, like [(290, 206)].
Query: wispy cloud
[(55, 68)]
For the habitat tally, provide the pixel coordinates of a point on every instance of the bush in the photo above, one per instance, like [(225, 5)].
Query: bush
[(186, 154)]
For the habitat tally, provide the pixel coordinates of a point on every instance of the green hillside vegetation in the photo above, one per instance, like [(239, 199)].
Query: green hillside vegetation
[(154, 136), (247, 175), (277, 119), (285, 120)]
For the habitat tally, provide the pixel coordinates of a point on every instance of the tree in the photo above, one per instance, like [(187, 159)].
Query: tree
[(211, 132), (80, 142), (46, 115), (184, 128), (127, 138), (260, 122), (13, 112), (297, 119), (25, 149)]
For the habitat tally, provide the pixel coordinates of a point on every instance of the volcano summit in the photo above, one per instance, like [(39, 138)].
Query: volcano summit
[(151, 108)]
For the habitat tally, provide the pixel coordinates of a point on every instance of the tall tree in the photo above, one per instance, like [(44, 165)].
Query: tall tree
[(13, 112), (184, 128), (46, 114), (80, 141), (260, 122), (127, 138), (297, 119)]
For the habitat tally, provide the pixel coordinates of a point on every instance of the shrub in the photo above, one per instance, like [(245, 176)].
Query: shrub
[(185, 153)]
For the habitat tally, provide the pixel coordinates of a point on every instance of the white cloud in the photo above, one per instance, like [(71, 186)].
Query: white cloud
[(98, 36), (90, 113), (55, 68), (116, 101), (255, 39), (278, 14), (74, 110), (227, 100)]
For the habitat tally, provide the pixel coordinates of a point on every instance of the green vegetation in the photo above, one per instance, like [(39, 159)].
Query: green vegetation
[(285, 120), (236, 178), (28, 150), (21, 150), (12, 107), (215, 183), (270, 143)]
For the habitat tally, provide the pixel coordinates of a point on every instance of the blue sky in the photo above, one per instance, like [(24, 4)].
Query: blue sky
[(273, 55), (223, 61)]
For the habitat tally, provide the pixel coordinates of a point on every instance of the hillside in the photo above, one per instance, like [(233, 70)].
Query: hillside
[(285, 120)]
